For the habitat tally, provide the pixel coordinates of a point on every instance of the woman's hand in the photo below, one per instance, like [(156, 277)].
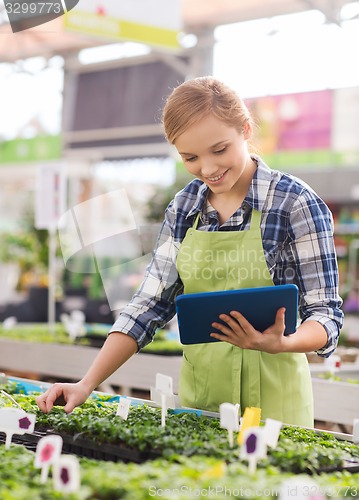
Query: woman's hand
[(67, 395), (239, 332)]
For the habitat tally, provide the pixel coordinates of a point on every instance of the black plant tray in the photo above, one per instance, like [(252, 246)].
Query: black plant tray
[(28, 440), (348, 466), (84, 447)]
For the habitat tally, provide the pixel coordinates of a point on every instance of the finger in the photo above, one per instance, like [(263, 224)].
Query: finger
[(70, 405), (224, 338), (230, 320), (41, 400), (41, 403), (54, 394), (225, 330), (241, 320), (280, 319)]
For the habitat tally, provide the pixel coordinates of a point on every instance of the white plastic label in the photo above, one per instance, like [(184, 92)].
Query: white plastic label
[(123, 408), (48, 451), (66, 474), (229, 419), (157, 398), (253, 447), (164, 384), (15, 421), (271, 432), (229, 416)]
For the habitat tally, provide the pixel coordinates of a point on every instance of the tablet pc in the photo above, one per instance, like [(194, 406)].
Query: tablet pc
[(197, 311)]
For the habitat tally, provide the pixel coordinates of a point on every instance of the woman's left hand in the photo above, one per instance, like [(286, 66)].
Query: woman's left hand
[(238, 331)]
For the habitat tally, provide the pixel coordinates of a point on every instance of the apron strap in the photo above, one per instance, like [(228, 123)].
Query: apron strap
[(195, 224), (256, 216)]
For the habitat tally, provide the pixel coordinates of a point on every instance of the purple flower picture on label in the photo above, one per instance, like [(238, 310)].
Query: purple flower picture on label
[(251, 444), (24, 423)]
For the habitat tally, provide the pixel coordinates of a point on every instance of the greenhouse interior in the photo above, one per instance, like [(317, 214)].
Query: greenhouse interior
[(179, 249)]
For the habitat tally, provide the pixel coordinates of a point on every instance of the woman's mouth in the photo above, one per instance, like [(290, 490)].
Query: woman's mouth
[(216, 179)]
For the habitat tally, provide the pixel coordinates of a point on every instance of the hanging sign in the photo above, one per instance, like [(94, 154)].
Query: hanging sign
[(153, 22)]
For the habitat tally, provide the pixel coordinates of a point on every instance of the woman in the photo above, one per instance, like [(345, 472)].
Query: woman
[(282, 233)]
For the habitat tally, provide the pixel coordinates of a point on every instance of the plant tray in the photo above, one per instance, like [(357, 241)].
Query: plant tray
[(106, 451), (28, 440), (83, 447)]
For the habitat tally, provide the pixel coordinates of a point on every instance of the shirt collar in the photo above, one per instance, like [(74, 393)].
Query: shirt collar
[(200, 200), (259, 187), (256, 195)]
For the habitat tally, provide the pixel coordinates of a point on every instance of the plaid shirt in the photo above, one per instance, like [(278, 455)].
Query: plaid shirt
[(297, 235)]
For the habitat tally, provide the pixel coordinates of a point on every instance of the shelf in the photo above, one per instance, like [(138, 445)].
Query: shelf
[(72, 361)]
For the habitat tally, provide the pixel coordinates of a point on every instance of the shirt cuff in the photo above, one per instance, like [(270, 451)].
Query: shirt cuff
[(332, 330), (128, 327)]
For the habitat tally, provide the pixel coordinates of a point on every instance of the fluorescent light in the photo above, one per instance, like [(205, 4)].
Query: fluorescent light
[(111, 52)]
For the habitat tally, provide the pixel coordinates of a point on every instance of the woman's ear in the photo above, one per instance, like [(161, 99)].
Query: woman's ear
[(247, 130)]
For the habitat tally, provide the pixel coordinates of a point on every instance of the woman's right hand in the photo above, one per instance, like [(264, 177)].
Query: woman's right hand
[(63, 394)]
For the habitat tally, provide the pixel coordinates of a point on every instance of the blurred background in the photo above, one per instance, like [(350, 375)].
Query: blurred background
[(85, 172)]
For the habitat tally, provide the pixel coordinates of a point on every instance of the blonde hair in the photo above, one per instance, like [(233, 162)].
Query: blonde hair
[(194, 99)]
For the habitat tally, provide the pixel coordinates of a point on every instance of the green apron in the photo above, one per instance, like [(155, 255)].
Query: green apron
[(217, 372)]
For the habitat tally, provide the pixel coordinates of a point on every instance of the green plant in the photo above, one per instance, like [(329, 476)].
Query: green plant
[(157, 204), (29, 248), (187, 434)]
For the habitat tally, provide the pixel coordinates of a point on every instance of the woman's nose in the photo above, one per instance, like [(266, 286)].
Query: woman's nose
[(208, 168)]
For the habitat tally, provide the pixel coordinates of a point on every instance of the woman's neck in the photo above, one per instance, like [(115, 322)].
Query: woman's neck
[(228, 203)]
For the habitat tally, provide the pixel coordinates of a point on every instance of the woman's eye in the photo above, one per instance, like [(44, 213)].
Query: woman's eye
[(192, 158), (219, 151)]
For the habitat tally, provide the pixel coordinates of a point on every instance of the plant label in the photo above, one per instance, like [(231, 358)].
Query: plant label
[(123, 408), (215, 472), (332, 363), (229, 419), (254, 447), (164, 384), (66, 474), (271, 432), (251, 418), (15, 421), (171, 401), (356, 431), (48, 451)]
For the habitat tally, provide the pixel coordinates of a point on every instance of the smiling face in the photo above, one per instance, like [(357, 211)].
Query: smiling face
[(216, 153)]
